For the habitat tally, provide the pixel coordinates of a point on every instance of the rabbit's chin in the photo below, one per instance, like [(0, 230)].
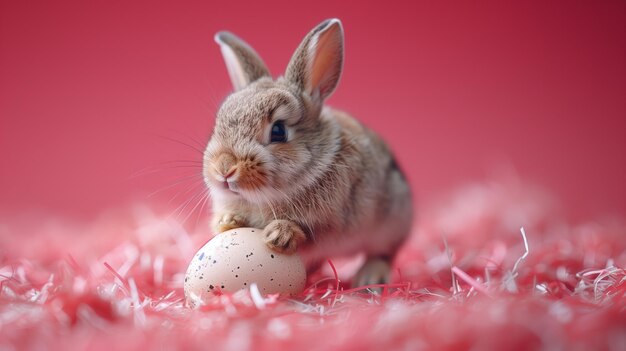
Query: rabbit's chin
[(260, 196)]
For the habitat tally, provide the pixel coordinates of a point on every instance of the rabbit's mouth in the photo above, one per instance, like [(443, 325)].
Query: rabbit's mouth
[(230, 186)]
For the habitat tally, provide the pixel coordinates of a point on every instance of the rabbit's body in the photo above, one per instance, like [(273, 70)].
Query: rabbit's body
[(313, 177)]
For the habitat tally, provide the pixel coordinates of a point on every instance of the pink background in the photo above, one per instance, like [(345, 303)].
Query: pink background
[(92, 91)]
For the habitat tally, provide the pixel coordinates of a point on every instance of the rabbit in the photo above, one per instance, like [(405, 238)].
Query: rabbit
[(312, 177)]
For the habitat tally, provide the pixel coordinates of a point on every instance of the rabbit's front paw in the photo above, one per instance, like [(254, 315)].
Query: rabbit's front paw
[(227, 221), (283, 236)]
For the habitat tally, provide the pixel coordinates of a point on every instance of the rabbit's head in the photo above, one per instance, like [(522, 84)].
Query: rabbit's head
[(269, 139)]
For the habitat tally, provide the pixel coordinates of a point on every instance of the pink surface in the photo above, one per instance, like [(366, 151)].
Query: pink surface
[(88, 90), (118, 286)]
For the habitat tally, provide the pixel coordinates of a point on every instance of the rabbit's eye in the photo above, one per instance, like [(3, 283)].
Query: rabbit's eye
[(278, 133)]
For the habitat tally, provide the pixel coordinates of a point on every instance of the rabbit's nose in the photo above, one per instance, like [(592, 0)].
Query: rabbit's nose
[(226, 166)]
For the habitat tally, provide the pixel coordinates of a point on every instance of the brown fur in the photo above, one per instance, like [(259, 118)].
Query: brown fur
[(332, 189)]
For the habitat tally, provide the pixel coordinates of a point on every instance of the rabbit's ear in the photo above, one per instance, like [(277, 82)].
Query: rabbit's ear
[(317, 63), (244, 65)]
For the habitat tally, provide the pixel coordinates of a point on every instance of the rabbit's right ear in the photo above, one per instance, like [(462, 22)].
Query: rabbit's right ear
[(316, 65), (244, 65)]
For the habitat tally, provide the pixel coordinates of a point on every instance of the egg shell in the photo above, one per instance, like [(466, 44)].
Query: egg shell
[(235, 259)]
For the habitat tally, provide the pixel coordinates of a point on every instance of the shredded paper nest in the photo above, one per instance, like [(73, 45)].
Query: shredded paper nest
[(491, 267)]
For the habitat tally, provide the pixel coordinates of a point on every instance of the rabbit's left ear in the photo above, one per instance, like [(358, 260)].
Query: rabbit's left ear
[(244, 65), (317, 63)]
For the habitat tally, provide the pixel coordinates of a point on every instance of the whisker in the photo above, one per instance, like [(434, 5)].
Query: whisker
[(269, 203), (258, 205), (181, 208), (150, 170), (206, 200), (195, 148), (201, 199), (299, 210), (190, 189), (183, 161), (169, 186), (198, 143)]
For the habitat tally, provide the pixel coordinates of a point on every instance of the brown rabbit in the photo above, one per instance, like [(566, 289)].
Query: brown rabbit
[(313, 177)]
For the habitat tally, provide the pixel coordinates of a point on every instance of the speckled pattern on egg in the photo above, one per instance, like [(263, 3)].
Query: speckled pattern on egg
[(235, 259)]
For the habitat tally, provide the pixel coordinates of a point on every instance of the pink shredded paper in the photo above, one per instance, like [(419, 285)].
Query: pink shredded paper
[(466, 279)]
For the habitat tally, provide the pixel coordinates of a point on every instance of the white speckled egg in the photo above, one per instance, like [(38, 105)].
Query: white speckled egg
[(234, 259)]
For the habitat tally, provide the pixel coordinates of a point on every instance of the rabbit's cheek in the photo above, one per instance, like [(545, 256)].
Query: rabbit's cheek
[(291, 157), (251, 176)]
